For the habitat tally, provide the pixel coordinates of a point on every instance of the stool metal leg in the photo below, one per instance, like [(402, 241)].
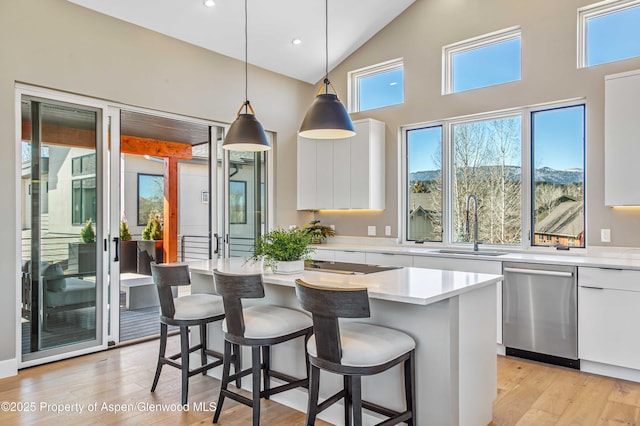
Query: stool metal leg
[(255, 372), (410, 387), (314, 390), (347, 401), (266, 361), (161, 353), (356, 398), (226, 366), (184, 361), (203, 344)]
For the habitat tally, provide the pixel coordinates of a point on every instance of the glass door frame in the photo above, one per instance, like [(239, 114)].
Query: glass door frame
[(100, 342)]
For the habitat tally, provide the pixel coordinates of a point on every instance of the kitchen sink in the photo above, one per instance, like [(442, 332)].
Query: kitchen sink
[(470, 252)]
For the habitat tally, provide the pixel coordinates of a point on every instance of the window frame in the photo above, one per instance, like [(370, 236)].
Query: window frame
[(596, 10), (354, 77), (526, 242), (484, 40)]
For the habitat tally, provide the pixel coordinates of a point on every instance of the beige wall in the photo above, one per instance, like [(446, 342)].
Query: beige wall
[(549, 74), (59, 45)]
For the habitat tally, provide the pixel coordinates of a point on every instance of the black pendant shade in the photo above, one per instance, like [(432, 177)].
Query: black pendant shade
[(246, 134), (327, 118)]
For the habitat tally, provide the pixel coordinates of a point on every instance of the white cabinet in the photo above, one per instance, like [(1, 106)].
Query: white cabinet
[(350, 256), (389, 259), (322, 254), (608, 316), (621, 139), (467, 265), (343, 173)]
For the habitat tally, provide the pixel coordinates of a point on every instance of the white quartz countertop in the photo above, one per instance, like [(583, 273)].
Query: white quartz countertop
[(407, 285), (620, 258)]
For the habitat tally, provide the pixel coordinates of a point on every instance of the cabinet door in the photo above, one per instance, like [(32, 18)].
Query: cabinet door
[(389, 259), (324, 174), (621, 141), (320, 254), (608, 326), (306, 174), (359, 171), (341, 174)]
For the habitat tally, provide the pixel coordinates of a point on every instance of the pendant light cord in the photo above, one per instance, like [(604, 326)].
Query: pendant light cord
[(326, 46), (246, 68)]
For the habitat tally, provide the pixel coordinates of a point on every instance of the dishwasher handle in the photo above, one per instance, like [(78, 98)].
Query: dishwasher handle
[(539, 272)]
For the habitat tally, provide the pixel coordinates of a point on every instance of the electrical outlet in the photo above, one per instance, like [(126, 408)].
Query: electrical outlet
[(387, 231), (371, 231), (605, 235), (332, 227)]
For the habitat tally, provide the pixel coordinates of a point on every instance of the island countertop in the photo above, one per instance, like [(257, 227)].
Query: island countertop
[(417, 286)]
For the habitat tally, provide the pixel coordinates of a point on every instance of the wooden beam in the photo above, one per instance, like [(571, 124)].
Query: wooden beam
[(170, 236), (155, 147), (57, 135)]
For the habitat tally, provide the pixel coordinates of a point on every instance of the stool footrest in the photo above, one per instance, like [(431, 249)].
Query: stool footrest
[(237, 397), (285, 377), (397, 419), (379, 409), (331, 400), (304, 383), (205, 367)]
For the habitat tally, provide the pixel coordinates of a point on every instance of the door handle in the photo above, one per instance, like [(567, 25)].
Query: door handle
[(217, 246), (116, 257), (538, 272)]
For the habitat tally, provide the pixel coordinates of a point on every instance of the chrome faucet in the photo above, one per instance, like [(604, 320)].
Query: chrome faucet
[(475, 221)]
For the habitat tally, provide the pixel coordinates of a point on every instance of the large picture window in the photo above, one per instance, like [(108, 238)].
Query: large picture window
[(528, 180), (150, 197)]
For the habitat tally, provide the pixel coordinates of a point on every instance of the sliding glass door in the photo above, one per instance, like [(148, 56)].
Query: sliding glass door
[(62, 228)]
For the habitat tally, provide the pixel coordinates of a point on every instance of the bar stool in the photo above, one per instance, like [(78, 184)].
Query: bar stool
[(258, 327), (353, 350), (186, 311)]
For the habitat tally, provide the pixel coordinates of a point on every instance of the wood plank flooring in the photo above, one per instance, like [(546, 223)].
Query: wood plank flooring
[(529, 393)]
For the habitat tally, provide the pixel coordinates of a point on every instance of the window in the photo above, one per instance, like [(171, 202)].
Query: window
[(83, 200), (557, 164), (377, 86), (482, 61), (424, 167), (150, 197), (608, 31), (486, 163), (525, 177), (83, 165)]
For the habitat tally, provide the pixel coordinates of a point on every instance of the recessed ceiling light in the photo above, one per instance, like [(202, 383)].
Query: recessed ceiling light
[(393, 83), (296, 41), (209, 3)]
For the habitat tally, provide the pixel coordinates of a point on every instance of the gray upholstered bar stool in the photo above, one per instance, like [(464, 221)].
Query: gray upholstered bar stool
[(184, 312), (353, 350), (258, 327)]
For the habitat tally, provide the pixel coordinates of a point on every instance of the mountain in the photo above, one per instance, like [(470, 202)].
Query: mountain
[(543, 174)]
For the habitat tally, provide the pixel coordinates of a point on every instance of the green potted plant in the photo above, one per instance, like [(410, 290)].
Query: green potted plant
[(128, 249), (318, 232), (284, 251), (150, 249), (82, 255)]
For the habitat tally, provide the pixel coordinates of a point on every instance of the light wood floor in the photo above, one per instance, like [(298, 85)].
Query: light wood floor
[(528, 394)]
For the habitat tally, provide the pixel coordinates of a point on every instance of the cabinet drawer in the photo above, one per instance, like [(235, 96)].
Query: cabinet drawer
[(389, 259), (614, 279), (349, 256), (452, 264), (326, 255)]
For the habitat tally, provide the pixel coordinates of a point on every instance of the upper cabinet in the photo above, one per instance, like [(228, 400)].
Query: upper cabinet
[(343, 173), (622, 139)]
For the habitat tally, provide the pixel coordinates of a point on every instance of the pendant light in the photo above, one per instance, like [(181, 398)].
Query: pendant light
[(327, 118), (246, 133)]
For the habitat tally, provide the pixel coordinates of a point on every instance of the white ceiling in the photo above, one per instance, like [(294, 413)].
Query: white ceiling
[(272, 25)]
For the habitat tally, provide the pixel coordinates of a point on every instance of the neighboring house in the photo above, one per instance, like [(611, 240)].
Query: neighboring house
[(564, 225), (423, 217)]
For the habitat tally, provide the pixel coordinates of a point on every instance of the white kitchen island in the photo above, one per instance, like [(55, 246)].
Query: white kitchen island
[(451, 315)]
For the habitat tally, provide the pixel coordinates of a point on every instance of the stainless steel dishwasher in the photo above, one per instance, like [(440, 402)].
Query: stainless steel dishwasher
[(540, 312)]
